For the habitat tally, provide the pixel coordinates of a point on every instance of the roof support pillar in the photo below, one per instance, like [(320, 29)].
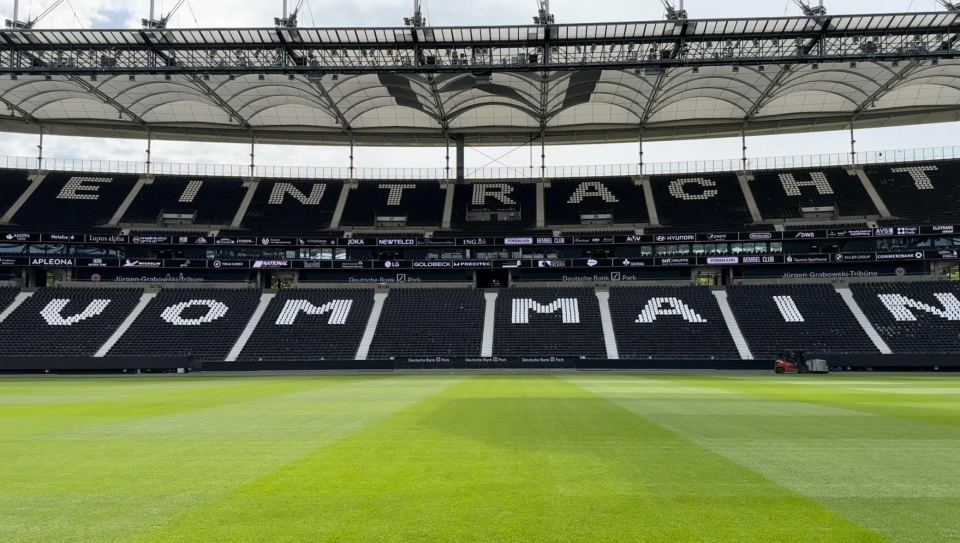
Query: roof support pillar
[(40, 151), (461, 147), (253, 157), (351, 158), (448, 158), (543, 156), (853, 146), (743, 142), (640, 142), (149, 149)]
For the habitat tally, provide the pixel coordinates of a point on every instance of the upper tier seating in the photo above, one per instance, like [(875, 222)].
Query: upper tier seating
[(813, 318), (671, 323), (66, 321), (780, 194), (421, 203), (74, 202), (919, 192), (213, 200), (311, 324), (429, 322), (700, 202), (292, 207), (12, 185), (548, 322), (199, 323), (517, 199), (913, 317), (566, 202)]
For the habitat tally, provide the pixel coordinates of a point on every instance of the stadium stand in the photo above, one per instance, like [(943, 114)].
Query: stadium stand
[(74, 202), (12, 185), (548, 322), (494, 207), (199, 323), (419, 203), (212, 201), (921, 317), (781, 194), (7, 294), (430, 322), (813, 318), (570, 202), (311, 324), (66, 321), (708, 202), (292, 207), (669, 322), (917, 191)]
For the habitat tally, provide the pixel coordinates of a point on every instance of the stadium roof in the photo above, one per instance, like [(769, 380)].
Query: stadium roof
[(586, 83)]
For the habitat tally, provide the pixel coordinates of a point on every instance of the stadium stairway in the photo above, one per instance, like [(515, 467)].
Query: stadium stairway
[(732, 325), (606, 321), (865, 323), (363, 351), (145, 300), (237, 348)]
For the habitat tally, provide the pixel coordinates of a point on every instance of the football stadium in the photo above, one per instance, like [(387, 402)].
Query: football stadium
[(498, 337)]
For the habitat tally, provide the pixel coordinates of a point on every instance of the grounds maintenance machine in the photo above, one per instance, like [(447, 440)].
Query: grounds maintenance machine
[(796, 362)]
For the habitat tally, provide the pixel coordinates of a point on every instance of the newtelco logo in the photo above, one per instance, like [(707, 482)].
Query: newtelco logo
[(51, 262), (394, 242)]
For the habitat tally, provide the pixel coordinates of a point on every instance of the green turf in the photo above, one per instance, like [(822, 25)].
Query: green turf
[(567, 457)]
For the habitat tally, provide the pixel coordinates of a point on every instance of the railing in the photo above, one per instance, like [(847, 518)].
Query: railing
[(609, 170)]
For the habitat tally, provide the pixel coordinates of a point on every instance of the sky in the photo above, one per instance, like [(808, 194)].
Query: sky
[(324, 13)]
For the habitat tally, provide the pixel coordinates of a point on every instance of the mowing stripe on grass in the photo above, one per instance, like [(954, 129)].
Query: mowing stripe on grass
[(115, 464), (512, 458), (824, 438)]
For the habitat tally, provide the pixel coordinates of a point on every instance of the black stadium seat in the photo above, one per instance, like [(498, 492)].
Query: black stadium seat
[(419, 202), (813, 318), (568, 201), (311, 324), (291, 207), (919, 317), (919, 192), (74, 202), (214, 200), (430, 322), (548, 322), (514, 203), (12, 185), (781, 194), (700, 202), (66, 321), (200, 323), (670, 322)]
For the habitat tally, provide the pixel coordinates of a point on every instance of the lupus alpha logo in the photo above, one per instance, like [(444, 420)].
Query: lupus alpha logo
[(569, 309)]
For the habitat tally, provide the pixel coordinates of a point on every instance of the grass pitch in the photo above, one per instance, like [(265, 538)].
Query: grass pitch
[(567, 457)]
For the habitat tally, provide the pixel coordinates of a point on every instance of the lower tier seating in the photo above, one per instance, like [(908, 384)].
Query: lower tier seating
[(311, 324), (429, 322), (913, 317), (200, 323), (669, 322), (813, 318), (66, 321), (548, 322)]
